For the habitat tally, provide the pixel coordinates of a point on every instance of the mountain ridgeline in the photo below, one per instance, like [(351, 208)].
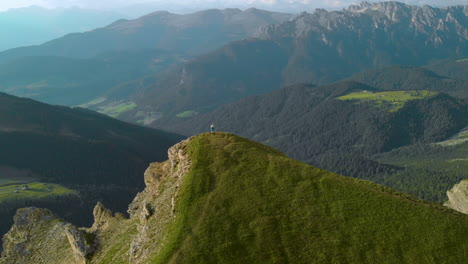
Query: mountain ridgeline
[(190, 34), (317, 48), (225, 199), (35, 25), (109, 64)]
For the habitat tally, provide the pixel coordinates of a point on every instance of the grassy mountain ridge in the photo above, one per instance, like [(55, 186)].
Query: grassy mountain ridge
[(242, 202)]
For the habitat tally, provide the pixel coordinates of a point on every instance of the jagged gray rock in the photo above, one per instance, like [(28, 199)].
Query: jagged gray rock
[(37, 236), (101, 216), (81, 243)]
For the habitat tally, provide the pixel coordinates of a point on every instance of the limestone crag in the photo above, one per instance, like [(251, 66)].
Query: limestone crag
[(156, 204), (82, 243), (458, 197), (101, 217), (37, 236)]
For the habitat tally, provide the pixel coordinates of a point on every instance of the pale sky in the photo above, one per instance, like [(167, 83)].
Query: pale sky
[(274, 4)]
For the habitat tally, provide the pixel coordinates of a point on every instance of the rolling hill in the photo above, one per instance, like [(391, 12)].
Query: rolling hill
[(224, 199)]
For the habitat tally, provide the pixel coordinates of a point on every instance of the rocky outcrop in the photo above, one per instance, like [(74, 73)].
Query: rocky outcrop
[(37, 236), (101, 216), (458, 197), (154, 208), (81, 243)]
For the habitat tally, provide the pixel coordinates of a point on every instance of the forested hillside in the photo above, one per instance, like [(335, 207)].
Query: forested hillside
[(340, 127), (100, 158)]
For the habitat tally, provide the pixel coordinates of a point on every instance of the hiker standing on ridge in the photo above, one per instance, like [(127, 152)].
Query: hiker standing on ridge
[(212, 128)]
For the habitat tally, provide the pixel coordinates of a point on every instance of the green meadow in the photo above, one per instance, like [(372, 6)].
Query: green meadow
[(395, 100), (114, 110), (12, 189)]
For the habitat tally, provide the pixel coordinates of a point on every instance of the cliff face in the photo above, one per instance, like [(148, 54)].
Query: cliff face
[(38, 236), (458, 197)]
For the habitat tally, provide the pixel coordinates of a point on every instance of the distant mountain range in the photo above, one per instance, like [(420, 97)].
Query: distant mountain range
[(192, 34), (316, 48), (72, 81), (35, 25), (98, 64)]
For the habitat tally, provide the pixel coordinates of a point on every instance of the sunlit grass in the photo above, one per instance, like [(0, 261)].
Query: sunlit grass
[(395, 99), (114, 110), (35, 190), (244, 202), (187, 114)]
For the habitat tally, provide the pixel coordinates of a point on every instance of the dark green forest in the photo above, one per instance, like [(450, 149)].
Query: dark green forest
[(100, 158)]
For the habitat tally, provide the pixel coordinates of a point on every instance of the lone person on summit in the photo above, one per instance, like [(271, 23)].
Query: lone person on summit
[(212, 128)]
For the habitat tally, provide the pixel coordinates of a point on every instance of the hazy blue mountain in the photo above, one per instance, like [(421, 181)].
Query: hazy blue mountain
[(36, 25), (100, 65), (192, 33), (72, 81)]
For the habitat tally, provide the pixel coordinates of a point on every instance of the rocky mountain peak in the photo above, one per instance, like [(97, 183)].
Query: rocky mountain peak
[(435, 23)]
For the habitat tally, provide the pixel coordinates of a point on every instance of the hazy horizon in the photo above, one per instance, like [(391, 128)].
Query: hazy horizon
[(194, 5)]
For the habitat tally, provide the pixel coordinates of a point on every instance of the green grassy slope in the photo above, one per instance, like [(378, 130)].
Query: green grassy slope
[(243, 202)]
